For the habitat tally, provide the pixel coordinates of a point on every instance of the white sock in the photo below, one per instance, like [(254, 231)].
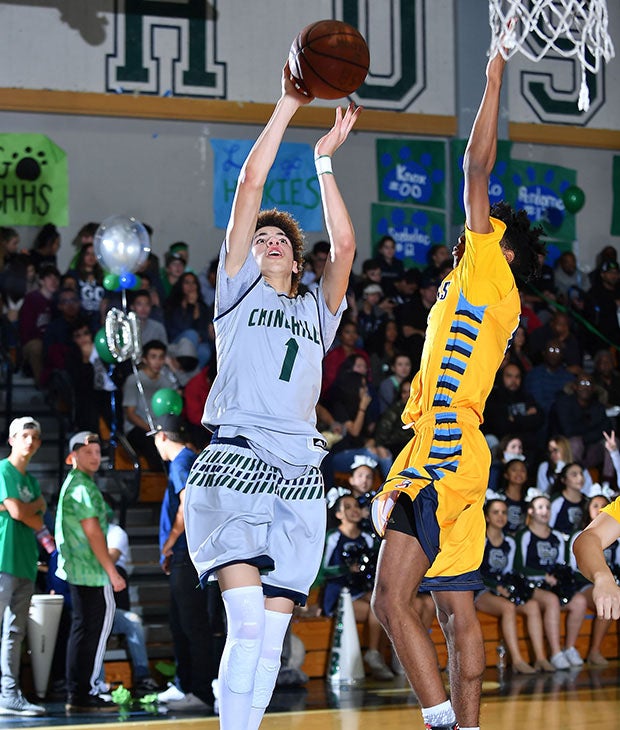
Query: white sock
[(276, 625), (245, 614), (442, 714)]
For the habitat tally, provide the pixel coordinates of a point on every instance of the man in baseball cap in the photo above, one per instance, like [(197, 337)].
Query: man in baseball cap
[(22, 512), (85, 563)]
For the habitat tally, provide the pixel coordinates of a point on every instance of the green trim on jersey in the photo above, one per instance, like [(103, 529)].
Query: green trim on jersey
[(79, 499), (18, 545)]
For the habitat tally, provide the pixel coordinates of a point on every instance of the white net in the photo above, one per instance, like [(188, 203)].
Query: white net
[(570, 28)]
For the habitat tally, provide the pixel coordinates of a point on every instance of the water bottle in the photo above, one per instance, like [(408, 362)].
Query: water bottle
[(501, 657)]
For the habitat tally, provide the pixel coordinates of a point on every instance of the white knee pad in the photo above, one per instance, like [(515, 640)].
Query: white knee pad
[(245, 613), (276, 625)]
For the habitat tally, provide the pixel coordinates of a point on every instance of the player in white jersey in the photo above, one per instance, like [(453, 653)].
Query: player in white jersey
[(254, 504)]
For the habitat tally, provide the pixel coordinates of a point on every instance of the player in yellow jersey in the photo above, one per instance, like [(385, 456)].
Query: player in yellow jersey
[(588, 549), (429, 510)]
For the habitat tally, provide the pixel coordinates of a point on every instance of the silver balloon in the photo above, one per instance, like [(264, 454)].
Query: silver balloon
[(122, 333), (121, 244)]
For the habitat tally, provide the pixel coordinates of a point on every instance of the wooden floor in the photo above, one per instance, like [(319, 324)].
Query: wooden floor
[(575, 700)]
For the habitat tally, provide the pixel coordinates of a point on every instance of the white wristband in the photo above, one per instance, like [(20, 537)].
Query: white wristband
[(323, 164)]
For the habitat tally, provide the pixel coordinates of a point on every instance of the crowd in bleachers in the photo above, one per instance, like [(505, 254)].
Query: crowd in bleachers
[(549, 420)]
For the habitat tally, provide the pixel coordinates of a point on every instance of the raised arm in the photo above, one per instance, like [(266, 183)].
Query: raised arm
[(337, 220), (588, 549), (482, 149), (253, 175)]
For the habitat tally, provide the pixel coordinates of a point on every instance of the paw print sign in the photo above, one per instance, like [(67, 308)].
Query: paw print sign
[(34, 181)]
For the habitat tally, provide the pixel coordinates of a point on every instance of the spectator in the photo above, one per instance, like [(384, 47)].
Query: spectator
[(86, 235), (89, 377), (207, 282), (546, 381), (412, 318), (606, 377), (89, 277), (559, 453), (509, 447), (581, 417), (494, 599), (347, 338), (45, 247), (9, 244), (391, 267), (568, 504), (34, 318), (172, 271), (58, 336), (514, 489), (511, 409), (566, 275), (84, 562), (519, 351), (150, 329), (601, 306), (314, 264), (540, 550), (187, 316), (190, 622), (21, 513), (383, 347), (405, 286), (389, 388), (349, 562), (371, 274), (436, 257), (558, 328), (137, 402), (182, 249), (370, 312)]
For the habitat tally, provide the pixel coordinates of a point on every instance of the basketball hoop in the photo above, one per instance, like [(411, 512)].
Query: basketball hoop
[(570, 28)]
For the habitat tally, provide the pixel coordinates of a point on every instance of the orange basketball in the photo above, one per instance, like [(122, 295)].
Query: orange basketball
[(329, 59)]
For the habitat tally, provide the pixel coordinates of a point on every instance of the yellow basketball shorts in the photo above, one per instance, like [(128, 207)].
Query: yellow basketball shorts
[(444, 471)]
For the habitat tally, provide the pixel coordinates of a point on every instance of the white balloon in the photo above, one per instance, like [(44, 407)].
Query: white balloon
[(121, 244)]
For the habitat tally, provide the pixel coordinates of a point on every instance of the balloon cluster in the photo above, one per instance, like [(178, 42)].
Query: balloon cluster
[(121, 245)]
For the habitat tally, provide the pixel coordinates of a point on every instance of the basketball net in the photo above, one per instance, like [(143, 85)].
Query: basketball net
[(570, 28)]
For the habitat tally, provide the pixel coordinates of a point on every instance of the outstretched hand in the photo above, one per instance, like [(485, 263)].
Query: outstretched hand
[(336, 136), (292, 89)]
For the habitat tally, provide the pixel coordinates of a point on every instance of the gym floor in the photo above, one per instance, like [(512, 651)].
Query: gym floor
[(570, 700)]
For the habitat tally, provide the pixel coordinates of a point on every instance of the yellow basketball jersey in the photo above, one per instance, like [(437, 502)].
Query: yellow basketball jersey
[(469, 329)]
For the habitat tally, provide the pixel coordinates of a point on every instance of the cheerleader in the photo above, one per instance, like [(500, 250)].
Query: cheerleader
[(496, 599), (599, 497), (515, 485), (540, 550), (568, 504)]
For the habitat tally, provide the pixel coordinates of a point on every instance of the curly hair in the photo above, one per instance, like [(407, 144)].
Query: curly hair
[(289, 226), (522, 239)]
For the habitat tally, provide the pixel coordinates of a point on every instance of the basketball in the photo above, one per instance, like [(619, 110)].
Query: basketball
[(329, 59)]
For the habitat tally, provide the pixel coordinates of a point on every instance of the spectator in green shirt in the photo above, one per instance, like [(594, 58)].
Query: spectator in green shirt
[(85, 563)]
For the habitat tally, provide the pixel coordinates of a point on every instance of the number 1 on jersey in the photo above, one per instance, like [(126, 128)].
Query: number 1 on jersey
[(292, 348)]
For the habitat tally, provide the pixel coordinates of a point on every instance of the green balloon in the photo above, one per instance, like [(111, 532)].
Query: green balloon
[(138, 284), (166, 401), (111, 282), (101, 345), (574, 198)]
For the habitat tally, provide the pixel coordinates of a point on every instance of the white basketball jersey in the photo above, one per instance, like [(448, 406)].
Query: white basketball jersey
[(270, 349)]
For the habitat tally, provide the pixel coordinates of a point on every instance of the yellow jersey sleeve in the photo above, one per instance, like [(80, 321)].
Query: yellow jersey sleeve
[(485, 276), (613, 509)]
